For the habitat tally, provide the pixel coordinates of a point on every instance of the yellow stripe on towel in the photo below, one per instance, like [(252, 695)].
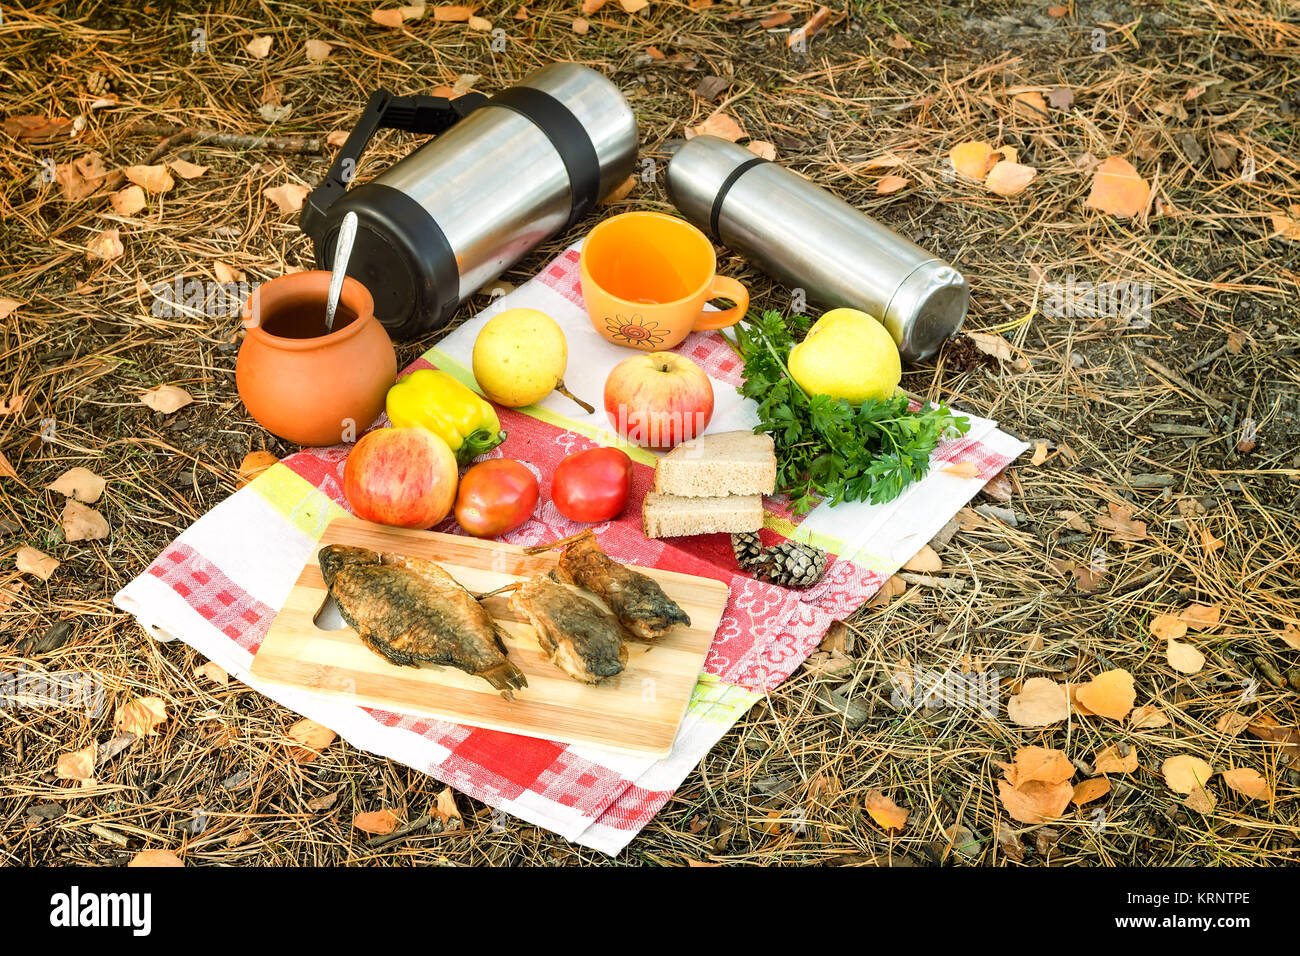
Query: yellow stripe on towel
[(301, 504)]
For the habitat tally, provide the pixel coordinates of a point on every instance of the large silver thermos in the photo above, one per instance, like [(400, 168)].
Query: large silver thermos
[(501, 175), (809, 239)]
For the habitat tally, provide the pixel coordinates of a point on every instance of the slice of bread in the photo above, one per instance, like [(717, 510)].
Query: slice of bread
[(728, 463), (670, 516)]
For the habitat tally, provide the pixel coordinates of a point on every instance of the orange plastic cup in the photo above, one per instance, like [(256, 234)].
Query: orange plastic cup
[(646, 277)]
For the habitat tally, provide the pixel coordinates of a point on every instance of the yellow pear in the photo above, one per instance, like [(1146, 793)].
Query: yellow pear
[(520, 357), (847, 354)]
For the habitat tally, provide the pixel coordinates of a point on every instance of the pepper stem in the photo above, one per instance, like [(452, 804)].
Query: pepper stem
[(476, 443)]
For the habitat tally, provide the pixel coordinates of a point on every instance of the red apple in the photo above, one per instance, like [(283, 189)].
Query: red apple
[(659, 399), (405, 477)]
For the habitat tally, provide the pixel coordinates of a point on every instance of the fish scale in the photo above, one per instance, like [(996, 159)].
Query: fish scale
[(411, 611)]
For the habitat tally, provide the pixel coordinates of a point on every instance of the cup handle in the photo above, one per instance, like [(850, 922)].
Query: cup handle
[(725, 288)]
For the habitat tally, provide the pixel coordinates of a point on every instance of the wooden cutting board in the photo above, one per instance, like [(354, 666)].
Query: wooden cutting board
[(637, 711)]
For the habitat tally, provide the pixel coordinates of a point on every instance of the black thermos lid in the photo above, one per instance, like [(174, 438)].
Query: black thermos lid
[(400, 255)]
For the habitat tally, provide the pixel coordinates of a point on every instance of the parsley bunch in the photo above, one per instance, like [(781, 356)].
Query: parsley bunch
[(827, 448)]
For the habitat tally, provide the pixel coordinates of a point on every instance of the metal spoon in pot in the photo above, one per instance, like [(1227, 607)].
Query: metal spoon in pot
[(342, 252)]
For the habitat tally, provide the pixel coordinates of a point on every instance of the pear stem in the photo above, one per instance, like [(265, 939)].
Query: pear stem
[(559, 387)]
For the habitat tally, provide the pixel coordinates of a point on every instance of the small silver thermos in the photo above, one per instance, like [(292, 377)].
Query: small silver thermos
[(809, 239), (501, 175)]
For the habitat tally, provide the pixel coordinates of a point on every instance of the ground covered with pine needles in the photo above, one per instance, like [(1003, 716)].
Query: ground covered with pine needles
[(1163, 476)]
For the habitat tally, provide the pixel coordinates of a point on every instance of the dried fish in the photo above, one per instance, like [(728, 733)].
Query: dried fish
[(411, 611)]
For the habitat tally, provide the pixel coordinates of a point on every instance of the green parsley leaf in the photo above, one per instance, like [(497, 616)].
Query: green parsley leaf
[(827, 449)]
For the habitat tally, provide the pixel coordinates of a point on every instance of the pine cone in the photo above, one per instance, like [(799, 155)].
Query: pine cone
[(790, 564), (749, 549)]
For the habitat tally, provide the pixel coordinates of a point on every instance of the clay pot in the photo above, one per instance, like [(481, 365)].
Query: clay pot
[(307, 387)]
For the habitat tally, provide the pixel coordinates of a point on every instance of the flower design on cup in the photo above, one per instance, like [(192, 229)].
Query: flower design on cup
[(635, 331)]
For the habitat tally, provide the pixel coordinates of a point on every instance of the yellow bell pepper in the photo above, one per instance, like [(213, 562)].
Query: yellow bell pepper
[(458, 415)]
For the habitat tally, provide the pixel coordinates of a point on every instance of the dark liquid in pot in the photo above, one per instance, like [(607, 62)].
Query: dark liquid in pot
[(306, 320)]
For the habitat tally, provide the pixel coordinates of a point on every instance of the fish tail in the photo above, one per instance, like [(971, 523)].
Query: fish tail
[(505, 677), (560, 542)]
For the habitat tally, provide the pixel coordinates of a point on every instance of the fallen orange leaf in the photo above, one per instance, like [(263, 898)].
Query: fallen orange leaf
[(1111, 761), (106, 246), (1249, 783), (156, 857), (1110, 694), (259, 47), (1041, 702), (213, 672), (289, 197), (446, 14), (77, 765), (140, 716), (316, 50), (1184, 658), (1118, 189), (891, 589), (1089, 790), (889, 185), (1035, 802), (718, 124), (924, 561), (31, 561), (972, 159), (1009, 179), (446, 808), (154, 179), (1030, 105), (1290, 637), (1148, 716), (166, 398), (1168, 627), (254, 463), (187, 170), (1203, 617), (620, 192), (1185, 773), (81, 523), (1040, 764), (1120, 522), (128, 201), (379, 822), (816, 23), (885, 811), (313, 738), (80, 483), (1286, 226)]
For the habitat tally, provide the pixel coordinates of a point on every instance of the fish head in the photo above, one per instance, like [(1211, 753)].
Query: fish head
[(584, 545), (334, 558)]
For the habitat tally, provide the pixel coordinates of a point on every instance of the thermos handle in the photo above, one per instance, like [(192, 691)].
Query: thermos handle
[(413, 114)]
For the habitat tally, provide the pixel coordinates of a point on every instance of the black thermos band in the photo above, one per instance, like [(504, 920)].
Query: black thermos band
[(725, 188), (569, 138)]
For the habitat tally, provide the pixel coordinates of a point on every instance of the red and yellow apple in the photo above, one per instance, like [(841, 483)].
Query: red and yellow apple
[(405, 477), (658, 399)]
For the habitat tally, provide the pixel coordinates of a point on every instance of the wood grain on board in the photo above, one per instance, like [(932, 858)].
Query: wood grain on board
[(637, 711)]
